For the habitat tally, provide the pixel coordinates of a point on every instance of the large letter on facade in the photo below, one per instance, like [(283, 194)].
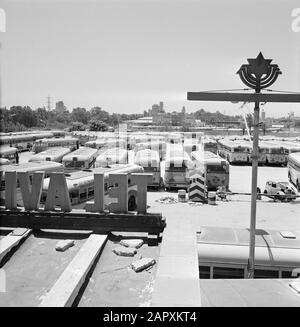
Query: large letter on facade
[(98, 204), (31, 198), (11, 190), (141, 180), (118, 191), (58, 193)]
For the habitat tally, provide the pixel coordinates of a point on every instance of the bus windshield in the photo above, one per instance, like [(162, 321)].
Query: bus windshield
[(216, 168)]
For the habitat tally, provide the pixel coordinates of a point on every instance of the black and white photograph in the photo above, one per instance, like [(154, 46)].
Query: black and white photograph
[(149, 157)]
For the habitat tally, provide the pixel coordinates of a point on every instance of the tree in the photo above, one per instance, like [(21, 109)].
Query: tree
[(77, 126), (98, 114), (98, 126), (80, 115)]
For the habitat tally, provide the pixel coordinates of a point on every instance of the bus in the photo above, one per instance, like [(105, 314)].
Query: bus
[(81, 185), (224, 252), (215, 168), (23, 141), (112, 156), (177, 169), (150, 161), (53, 154), (10, 153), (98, 144), (47, 167), (83, 158), (190, 145), (209, 145), (233, 152), (293, 165), (66, 142), (275, 153), (159, 146)]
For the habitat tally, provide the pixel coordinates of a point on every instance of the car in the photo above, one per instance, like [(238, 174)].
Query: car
[(280, 190)]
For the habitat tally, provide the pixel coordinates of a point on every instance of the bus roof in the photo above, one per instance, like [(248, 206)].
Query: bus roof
[(51, 152), (146, 156), (219, 245), (31, 166), (57, 139), (5, 149), (113, 152), (81, 154), (295, 156)]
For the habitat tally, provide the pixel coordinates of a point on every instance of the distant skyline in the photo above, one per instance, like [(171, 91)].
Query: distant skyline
[(125, 55)]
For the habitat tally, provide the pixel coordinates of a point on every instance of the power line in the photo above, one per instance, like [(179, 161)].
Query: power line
[(48, 103)]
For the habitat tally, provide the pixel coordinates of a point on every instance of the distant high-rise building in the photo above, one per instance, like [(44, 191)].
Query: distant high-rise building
[(60, 107)]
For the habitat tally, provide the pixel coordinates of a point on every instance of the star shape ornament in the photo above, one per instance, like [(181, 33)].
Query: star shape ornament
[(259, 66)]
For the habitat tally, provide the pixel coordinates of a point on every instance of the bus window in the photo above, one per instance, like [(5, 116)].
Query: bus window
[(225, 272), (215, 168), (74, 194), (286, 274), (204, 272), (83, 195), (69, 164), (79, 164), (262, 273), (90, 192)]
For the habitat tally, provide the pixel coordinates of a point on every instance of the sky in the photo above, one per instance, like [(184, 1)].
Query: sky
[(125, 55)]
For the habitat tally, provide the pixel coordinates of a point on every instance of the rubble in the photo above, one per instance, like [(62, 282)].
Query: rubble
[(63, 245), (142, 264), (124, 251), (167, 200), (132, 243)]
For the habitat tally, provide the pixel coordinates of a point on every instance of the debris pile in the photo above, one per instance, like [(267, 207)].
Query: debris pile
[(167, 200), (128, 248)]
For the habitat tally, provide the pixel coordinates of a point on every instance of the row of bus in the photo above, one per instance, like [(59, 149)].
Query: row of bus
[(177, 172), (270, 152), (24, 140)]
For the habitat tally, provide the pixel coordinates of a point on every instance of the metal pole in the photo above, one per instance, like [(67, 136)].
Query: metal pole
[(250, 273)]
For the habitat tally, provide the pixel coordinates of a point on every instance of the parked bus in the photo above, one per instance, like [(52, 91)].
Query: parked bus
[(53, 154), (150, 161), (81, 185), (233, 152), (215, 168), (224, 253), (98, 144), (275, 153), (209, 145), (83, 158), (294, 169), (65, 142), (23, 141), (112, 156), (177, 169), (159, 146), (190, 145), (10, 153)]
